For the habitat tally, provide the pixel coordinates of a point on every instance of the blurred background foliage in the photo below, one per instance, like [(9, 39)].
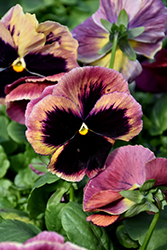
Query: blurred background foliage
[(66, 12)]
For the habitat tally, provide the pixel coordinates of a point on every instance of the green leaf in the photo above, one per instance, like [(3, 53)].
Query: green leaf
[(106, 24), (135, 32), (25, 178), (3, 131), (40, 194), (4, 162), (81, 232), (54, 208), (105, 49), (15, 230), (122, 18), (147, 185), (124, 238), (159, 116), (133, 195), (127, 48), (17, 132), (137, 228), (138, 208)]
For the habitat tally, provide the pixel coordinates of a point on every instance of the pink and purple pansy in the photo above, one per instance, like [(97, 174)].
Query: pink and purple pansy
[(127, 168), (43, 241), (141, 32), (28, 48), (78, 123)]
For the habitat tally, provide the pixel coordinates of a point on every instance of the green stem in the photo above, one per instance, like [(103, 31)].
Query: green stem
[(114, 47), (71, 193), (150, 231)]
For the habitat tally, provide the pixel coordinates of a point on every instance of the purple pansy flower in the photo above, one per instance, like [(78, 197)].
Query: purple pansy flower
[(145, 30)]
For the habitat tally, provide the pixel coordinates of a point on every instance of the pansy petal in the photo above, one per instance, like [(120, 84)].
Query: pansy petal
[(129, 69), (146, 49), (116, 115), (102, 220), (47, 236), (22, 28), (153, 16), (120, 174), (100, 199), (110, 9), (90, 40), (84, 154), (11, 246), (60, 36), (47, 91), (92, 83), (16, 110), (54, 120), (157, 169)]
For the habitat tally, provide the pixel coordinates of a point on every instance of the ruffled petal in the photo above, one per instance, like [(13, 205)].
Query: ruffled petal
[(117, 116), (92, 83)]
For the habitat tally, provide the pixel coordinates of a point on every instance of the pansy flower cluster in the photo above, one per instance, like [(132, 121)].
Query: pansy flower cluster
[(74, 113)]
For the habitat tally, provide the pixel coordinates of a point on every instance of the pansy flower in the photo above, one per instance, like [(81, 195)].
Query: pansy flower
[(20, 92), (43, 241), (79, 122), (127, 168), (153, 77), (141, 31), (28, 48)]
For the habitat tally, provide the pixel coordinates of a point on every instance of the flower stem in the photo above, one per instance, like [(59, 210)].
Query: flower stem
[(114, 47), (71, 193), (150, 231)]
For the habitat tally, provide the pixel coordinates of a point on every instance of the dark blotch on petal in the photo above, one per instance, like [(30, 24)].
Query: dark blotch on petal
[(45, 64), (88, 99), (60, 126), (87, 152), (109, 122), (7, 54), (50, 38), (8, 76)]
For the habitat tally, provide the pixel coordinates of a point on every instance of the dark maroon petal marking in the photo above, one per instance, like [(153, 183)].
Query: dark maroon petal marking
[(87, 152)]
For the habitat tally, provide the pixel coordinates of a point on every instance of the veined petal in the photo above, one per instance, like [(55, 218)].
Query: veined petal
[(146, 49), (54, 120), (153, 16), (100, 199), (60, 36), (91, 39), (83, 154), (16, 110), (157, 169), (116, 115), (92, 83), (110, 9), (102, 220)]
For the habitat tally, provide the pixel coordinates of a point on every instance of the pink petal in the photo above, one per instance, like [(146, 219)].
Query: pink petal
[(157, 169), (102, 220)]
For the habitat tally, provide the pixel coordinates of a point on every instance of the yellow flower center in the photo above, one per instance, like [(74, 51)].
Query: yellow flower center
[(83, 129), (19, 65)]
